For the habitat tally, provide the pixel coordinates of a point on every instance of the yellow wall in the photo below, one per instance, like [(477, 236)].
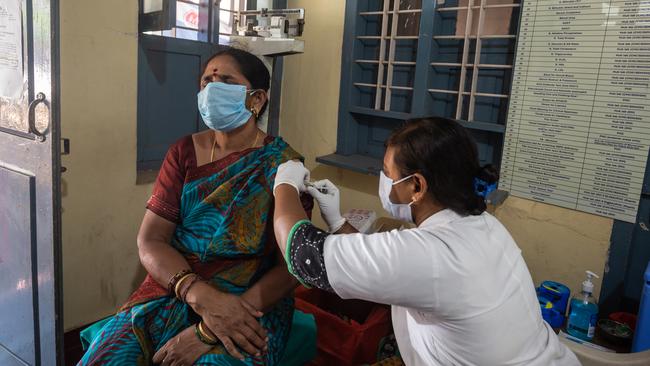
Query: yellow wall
[(558, 244), (102, 206)]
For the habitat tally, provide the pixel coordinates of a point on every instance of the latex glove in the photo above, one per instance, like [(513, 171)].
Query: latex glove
[(293, 173), (329, 203)]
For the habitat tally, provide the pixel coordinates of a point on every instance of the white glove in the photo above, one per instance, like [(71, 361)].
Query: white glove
[(293, 173), (329, 203)]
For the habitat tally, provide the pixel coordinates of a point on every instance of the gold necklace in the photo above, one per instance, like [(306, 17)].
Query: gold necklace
[(214, 144)]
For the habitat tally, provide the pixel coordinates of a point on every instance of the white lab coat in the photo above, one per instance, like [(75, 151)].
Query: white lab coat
[(460, 291)]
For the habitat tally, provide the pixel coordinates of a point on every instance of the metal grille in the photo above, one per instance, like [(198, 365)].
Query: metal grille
[(472, 26), (397, 26)]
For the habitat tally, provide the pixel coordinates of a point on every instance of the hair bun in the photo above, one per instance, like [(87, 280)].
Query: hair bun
[(488, 173)]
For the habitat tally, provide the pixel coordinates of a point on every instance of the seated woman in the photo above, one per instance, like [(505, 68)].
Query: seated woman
[(207, 240)]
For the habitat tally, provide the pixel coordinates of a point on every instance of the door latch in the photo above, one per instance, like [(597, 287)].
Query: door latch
[(65, 146), (65, 150)]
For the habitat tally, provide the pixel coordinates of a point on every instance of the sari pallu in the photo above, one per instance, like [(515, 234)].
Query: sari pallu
[(225, 233)]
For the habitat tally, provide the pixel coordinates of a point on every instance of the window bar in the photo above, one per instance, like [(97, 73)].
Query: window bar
[(382, 52), (213, 12), (487, 6), (463, 69), (368, 85), (400, 87), (477, 61), (481, 66), (503, 96), (396, 87), (449, 64), (401, 63), (498, 36), (240, 6), (186, 28), (452, 8), (485, 36), (380, 37), (496, 6), (391, 56), (405, 11), (494, 66), (445, 91), (478, 94), (371, 12)]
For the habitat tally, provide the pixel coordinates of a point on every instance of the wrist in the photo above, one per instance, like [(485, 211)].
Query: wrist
[(197, 296), (336, 223)]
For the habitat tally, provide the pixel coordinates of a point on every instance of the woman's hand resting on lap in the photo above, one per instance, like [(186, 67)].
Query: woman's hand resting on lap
[(183, 349), (230, 318)]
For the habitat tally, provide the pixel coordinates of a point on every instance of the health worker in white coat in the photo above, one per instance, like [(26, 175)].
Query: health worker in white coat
[(460, 291)]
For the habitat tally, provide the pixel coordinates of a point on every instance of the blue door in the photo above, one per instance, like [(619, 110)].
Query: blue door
[(30, 227), (629, 255)]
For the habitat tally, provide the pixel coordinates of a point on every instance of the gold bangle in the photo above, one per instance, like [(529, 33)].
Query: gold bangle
[(205, 334), (178, 284), (202, 338), (174, 280)]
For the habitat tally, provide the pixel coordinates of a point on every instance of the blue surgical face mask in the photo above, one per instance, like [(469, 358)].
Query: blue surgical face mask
[(400, 211), (223, 106)]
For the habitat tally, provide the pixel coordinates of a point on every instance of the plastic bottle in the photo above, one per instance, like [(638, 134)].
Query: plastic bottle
[(583, 311)]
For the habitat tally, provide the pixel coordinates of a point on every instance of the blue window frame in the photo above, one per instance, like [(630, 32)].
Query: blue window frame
[(408, 58)]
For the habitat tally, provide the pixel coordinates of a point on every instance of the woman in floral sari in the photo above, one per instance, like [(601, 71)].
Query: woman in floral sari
[(217, 292)]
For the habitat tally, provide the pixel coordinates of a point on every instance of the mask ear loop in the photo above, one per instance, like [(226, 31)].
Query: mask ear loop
[(402, 180)]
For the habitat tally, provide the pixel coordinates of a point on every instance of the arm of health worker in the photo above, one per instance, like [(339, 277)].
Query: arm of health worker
[(394, 268)]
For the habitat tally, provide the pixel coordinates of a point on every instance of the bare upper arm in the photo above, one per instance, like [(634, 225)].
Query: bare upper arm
[(155, 228)]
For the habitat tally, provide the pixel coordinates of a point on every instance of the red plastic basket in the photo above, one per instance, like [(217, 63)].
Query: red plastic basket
[(349, 331)]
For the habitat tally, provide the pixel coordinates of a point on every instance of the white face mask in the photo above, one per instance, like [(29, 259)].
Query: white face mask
[(400, 211)]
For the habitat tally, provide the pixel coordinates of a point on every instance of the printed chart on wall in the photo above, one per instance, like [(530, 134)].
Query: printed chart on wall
[(11, 50), (578, 127)]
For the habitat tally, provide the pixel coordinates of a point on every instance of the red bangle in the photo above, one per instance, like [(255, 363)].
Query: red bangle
[(187, 288), (174, 280)]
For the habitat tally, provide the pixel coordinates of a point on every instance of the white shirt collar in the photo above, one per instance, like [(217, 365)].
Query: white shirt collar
[(440, 218)]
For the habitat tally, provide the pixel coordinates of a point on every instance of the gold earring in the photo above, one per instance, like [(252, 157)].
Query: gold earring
[(255, 113)]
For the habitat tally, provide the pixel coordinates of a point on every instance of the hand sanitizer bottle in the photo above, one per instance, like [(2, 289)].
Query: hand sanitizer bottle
[(583, 311)]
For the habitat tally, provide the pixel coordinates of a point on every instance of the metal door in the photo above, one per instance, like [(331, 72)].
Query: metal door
[(30, 227)]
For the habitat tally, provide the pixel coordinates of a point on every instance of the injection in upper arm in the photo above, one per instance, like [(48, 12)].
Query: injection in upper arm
[(322, 190)]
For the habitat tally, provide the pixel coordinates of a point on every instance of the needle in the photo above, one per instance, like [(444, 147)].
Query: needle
[(322, 190)]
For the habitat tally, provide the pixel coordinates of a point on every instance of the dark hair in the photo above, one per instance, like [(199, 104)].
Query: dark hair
[(445, 154), (250, 66)]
